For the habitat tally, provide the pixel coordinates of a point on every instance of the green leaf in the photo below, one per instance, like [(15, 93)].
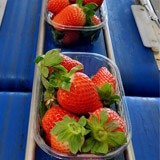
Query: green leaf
[(75, 143), (79, 2), (95, 147), (64, 135), (105, 91), (82, 121), (89, 143), (91, 6), (115, 98), (111, 126), (38, 59), (57, 129), (60, 68), (74, 69), (44, 71), (88, 23), (103, 117), (66, 86), (116, 138), (106, 94), (52, 58), (49, 95), (102, 149), (84, 131), (42, 110), (94, 122), (45, 82)]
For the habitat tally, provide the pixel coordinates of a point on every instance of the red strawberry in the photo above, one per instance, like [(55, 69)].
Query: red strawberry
[(97, 2), (112, 116), (71, 15), (68, 63), (95, 20), (69, 37), (106, 86), (53, 115), (62, 147), (107, 131), (55, 6), (104, 76), (67, 136), (82, 97)]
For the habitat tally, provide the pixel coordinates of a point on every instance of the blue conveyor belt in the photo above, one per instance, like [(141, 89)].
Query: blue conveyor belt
[(144, 115), (14, 116), (137, 65), (18, 43)]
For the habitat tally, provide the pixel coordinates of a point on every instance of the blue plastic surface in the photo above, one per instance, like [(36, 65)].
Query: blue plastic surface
[(137, 65), (144, 114), (14, 115), (18, 43)]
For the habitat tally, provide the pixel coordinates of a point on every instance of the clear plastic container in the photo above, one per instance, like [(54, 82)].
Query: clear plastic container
[(85, 34), (92, 62)]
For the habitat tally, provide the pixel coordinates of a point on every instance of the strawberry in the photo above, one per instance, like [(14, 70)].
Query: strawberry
[(82, 96), (53, 58), (112, 116), (106, 86), (69, 37), (67, 136), (107, 131), (54, 61), (104, 76), (55, 6), (95, 20), (68, 63), (71, 15), (74, 15), (97, 2), (59, 146), (53, 115)]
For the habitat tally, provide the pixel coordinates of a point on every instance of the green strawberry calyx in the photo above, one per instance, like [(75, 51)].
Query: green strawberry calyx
[(68, 130), (106, 94), (58, 78), (102, 135), (89, 10)]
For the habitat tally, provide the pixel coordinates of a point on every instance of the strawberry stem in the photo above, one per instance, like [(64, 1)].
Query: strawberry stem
[(74, 128)]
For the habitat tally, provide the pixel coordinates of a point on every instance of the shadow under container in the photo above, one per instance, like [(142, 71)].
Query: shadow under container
[(92, 63), (64, 35)]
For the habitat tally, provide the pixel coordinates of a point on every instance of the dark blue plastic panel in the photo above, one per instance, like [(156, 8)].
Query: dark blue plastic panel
[(144, 114), (137, 65), (14, 117), (18, 42)]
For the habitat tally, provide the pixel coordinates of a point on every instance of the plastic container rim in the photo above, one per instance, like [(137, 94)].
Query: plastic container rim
[(41, 143)]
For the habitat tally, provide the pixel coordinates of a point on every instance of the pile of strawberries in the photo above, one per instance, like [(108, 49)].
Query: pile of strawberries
[(72, 14), (75, 113)]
